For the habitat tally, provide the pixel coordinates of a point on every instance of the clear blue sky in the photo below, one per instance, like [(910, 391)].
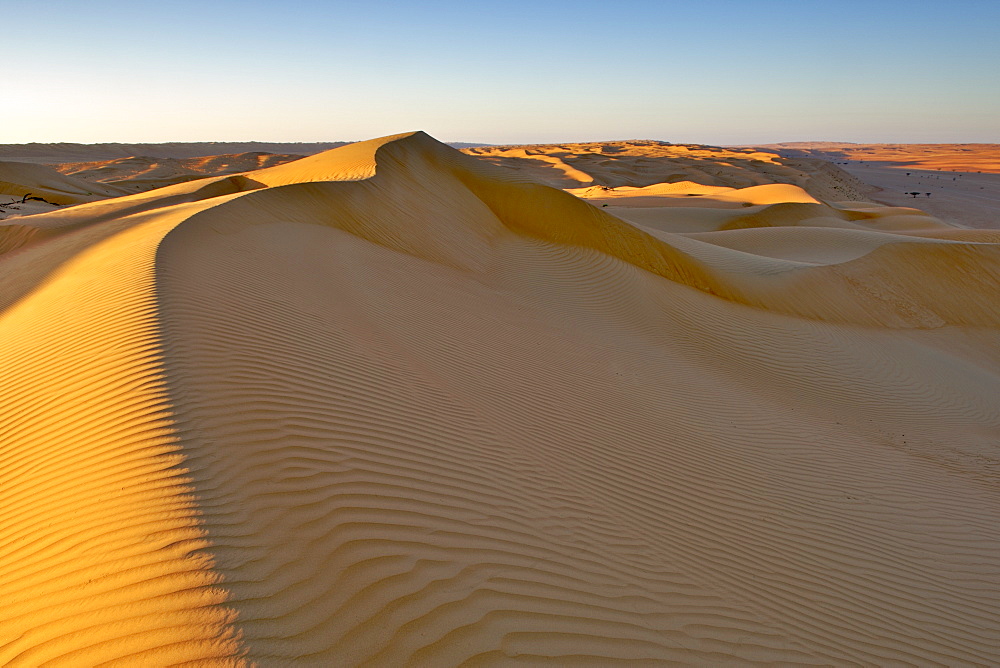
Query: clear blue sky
[(500, 71)]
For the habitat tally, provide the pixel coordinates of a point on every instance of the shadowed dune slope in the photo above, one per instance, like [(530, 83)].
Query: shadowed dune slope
[(391, 405)]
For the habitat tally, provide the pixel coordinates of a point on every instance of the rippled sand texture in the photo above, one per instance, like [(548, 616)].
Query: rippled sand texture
[(391, 405)]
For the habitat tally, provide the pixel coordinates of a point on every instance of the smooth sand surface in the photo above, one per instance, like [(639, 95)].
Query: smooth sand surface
[(958, 183), (394, 405), (962, 198), (980, 158)]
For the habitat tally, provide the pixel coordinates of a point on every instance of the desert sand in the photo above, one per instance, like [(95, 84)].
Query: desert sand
[(957, 183), (961, 198), (53, 154), (142, 173), (647, 163), (980, 158), (19, 180), (392, 404)]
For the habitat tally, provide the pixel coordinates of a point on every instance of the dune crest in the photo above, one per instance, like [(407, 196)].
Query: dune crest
[(142, 173), (20, 179), (101, 558), (644, 163), (391, 405)]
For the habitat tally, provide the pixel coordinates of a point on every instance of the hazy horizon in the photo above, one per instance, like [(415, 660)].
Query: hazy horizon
[(721, 72)]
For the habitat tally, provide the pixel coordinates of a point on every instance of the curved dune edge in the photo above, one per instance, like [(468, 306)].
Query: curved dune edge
[(407, 411), (658, 165), (19, 179), (892, 294), (690, 193), (102, 552), (898, 299)]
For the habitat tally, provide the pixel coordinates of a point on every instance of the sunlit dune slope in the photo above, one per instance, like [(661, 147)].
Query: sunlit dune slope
[(140, 173), (393, 405), (677, 194), (642, 163), (20, 179)]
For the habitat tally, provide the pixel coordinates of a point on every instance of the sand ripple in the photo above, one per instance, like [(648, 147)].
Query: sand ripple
[(389, 405)]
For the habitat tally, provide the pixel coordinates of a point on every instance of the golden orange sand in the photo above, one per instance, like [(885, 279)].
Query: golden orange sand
[(393, 405)]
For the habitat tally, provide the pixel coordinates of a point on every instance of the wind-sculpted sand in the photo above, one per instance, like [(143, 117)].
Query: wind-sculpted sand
[(646, 163), (19, 180), (393, 405), (140, 173)]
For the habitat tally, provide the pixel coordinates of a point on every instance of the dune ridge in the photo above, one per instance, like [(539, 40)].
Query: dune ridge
[(642, 163), (391, 405), (142, 173), (18, 180), (100, 560), (68, 152)]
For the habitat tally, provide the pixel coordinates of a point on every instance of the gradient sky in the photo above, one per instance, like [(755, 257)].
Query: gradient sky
[(500, 71)]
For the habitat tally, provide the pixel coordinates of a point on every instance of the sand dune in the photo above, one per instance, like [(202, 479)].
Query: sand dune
[(66, 152), (69, 152), (141, 173), (647, 163), (18, 179), (392, 404)]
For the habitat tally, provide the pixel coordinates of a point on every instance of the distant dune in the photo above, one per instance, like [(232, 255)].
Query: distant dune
[(19, 180), (948, 157), (644, 163), (142, 173), (68, 152), (392, 404)]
